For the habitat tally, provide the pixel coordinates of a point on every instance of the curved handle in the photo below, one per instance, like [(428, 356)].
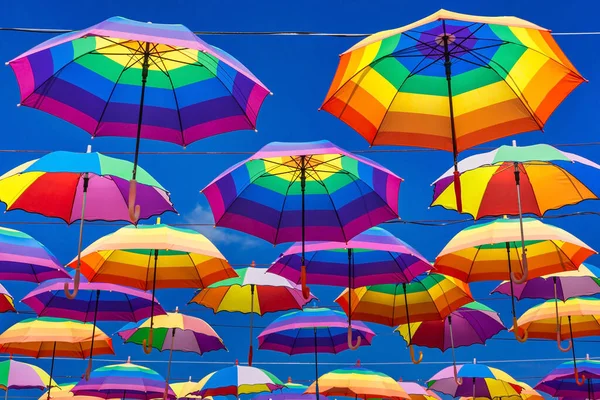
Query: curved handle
[(358, 340), (250, 354), (86, 376), (305, 289), (147, 344), (412, 355), (134, 210), (558, 340), (459, 381), (525, 271), (76, 280), (457, 190), (577, 381), (523, 338)]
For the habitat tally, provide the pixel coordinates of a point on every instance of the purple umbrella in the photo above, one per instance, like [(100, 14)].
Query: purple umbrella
[(560, 382)]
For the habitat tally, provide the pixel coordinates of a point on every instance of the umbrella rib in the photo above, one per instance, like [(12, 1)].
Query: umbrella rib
[(295, 176), (175, 97), (195, 268), (332, 342), (473, 263), (332, 205), (445, 297)]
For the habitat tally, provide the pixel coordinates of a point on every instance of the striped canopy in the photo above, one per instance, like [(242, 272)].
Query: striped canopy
[(237, 380), (93, 79), (290, 391), (377, 257), (19, 375), (528, 393), (560, 382), (63, 392), (506, 75), (186, 258), (345, 193), (7, 302), (479, 252)]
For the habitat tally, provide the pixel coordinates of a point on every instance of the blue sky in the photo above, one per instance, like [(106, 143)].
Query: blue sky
[(298, 70)]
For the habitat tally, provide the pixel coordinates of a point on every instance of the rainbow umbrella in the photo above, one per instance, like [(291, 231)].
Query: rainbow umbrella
[(451, 81), (431, 297), (254, 291), (22, 258), (473, 323), (237, 380), (154, 256), (312, 191), (7, 302), (119, 303), (132, 79), (79, 186), (290, 391), (528, 393), (574, 318), (372, 257), (174, 331), (418, 392), (489, 251), (20, 375), (358, 382), (561, 383), (123, 381), (312, 330)]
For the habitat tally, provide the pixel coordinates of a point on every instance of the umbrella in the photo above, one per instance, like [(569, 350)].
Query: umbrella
[(174, 331), (312, 191), (418, 392), (54, 337), (154, 256), (561, 383), (7, 302), (20, 375), (290, 391), (473, 323), (574, 318), (358, 382), (489, 251), (431, 297), (131, 79), (22, 258), (254, 291), (79, 186), (182, 390), (312, 330), (451, 81), (528, 393), (237, 380), (103, 302), (545, 178), (370, 258), (123, 381), (63, 392)]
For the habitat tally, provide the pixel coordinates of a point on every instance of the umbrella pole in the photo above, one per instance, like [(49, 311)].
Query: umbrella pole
[(51, 370), (250, 349), (558, 338), (316, 366), (410, 346), (89, 367), (351, 346), (523, 249), (575, 372), (305, 289), (523, 338), (147, 344), (169, 365), (77, 277), (134, 210), (458, 380)]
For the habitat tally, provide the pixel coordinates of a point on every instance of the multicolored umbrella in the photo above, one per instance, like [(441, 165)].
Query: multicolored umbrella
[(358, 382), (418, 392), (451, 81), (312, 191), (431, 297), (22, 258), (372, 257), (473, 323), (290, 391), (312, 330), (174, 331), (7, 302), (133, 79), (561, 383), (20, 375), (154, 256), (123, 381), (237, 380), (254, 291), (528, 393), (574, 318), (489, 251)]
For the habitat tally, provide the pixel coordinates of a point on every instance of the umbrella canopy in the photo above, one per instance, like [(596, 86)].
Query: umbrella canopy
[(22, 258), (528, 393), (124, 381), (63, 392), (19, 375), (237, 380), (358, 382), (561, 383), (7, 302), (418, 392), (182, 390), (290, 391)]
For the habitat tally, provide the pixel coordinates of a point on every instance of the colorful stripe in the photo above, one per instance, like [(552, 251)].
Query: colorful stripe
[(290, 391), (478, 252), (7, 302), (19, 375), (345, 194), (378, 257), (92, 78), (560, 382), (237, 380), (507, 77)]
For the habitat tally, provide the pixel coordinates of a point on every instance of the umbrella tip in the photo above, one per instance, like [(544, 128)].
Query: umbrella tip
[(18, 104), (358, 363), (190, 379), (237, 362), (128, 359), (587, 357), (158, 221), (514, 143), (6, 63), (253, 264), (474, 361), (89, 148), (289, 379), (176, 309)]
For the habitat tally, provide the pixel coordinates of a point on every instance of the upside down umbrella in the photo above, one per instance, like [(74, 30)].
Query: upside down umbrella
[(372, 257), (254, 291), (427, 298), (560, 382), (451, 81), (80, 186), (19, 375), (311, 191), (131, 79), (489, 251), (150, 257)]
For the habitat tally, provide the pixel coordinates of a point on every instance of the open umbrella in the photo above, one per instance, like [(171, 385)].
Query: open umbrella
[(312, 191), (19, 375), (290, 391), (451, 81), (131, 79), (182, 390), (372, 257), (63, 392), (254, 291), (79, 186), (560, 382), (7, 302), (528, 393)]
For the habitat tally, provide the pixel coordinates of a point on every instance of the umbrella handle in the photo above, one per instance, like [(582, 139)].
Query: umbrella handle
[(558, 340), (459, 381), (525, 271), (88, 370), (76, 280), (134, 210), (579, 382), (305, 289), (412, 355), (358, 340), (457, 191), (147, 344), (523, 338)]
